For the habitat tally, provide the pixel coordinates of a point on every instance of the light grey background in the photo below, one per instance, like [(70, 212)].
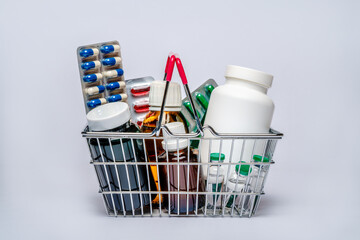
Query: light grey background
[(48, 190)]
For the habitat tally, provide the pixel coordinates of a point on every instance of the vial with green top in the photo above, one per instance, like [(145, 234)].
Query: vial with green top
[(237, 184), (258, 176), (258, 173), (214, 182)]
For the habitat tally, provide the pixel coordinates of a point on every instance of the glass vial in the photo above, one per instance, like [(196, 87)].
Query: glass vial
[(237, 184), (214, 183)]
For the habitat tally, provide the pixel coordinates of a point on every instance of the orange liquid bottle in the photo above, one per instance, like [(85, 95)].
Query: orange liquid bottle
[(171, 114)]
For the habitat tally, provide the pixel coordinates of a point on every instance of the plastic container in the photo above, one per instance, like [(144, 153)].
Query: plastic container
[(115, 117), (239, 106)]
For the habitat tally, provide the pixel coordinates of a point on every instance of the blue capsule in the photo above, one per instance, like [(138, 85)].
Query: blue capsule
[(115, 85), (88, 52), (90, 65), (92, 77), (114, 73), (117, 97), (96, 102), (95, 90), (101, 88), (111, 61), (109, 48)]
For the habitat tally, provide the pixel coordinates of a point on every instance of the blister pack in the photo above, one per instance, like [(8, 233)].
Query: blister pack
[(201, 97), (101, 74), (138, 98)]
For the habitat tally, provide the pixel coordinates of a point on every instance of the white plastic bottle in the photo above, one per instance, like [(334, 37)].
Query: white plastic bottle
[(239, 106)]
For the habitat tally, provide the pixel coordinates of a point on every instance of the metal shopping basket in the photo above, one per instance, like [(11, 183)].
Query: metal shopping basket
[(112, 184), (195, 185)]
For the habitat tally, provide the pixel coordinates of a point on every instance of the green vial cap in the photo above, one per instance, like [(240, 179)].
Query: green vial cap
[(215, 157), (244, 169), (209, 88), (258, 158), (202, 100)]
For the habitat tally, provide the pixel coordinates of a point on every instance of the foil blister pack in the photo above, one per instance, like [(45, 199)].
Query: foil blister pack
[(201, 97), (138, 98), (101, 74)]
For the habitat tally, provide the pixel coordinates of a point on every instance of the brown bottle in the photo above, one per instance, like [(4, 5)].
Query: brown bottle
[(176, 177), (171, 114)]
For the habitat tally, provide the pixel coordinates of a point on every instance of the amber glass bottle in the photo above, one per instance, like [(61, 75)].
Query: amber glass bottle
[(175, 177), (171, 114)]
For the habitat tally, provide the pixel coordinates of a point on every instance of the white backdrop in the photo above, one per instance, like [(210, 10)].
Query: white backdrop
[(48, 190)]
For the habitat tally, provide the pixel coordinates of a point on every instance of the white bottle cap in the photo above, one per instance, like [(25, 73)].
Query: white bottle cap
[(173, 97), (108, 116), (172, 144), (250, 75)]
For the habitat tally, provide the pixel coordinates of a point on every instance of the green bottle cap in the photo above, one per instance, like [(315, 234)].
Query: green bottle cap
[(215, 157), (209, 88), (258, 158), (202, 100), (244, 169)]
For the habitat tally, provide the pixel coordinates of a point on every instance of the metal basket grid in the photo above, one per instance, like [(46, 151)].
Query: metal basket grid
[(126, 193)]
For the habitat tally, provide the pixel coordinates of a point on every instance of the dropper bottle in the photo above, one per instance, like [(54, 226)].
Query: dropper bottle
[(171, 114)]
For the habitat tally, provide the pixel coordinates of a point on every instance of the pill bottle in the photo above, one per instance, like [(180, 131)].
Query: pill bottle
[(115, 117), (237, 184), (176, 177), (171, 114), (239, 106), (214, 182)]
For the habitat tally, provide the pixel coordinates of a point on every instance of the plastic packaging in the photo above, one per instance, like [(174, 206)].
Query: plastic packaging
[(239, 106), (201, 97), (174, 177), (100, 64), (115, 117), (138, 90)]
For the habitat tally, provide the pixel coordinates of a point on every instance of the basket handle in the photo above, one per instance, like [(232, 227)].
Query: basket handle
[(168, 72), (188, 93), (168, 75)]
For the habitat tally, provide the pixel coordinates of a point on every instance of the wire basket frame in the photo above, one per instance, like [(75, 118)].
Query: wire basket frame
[(127, 178)]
